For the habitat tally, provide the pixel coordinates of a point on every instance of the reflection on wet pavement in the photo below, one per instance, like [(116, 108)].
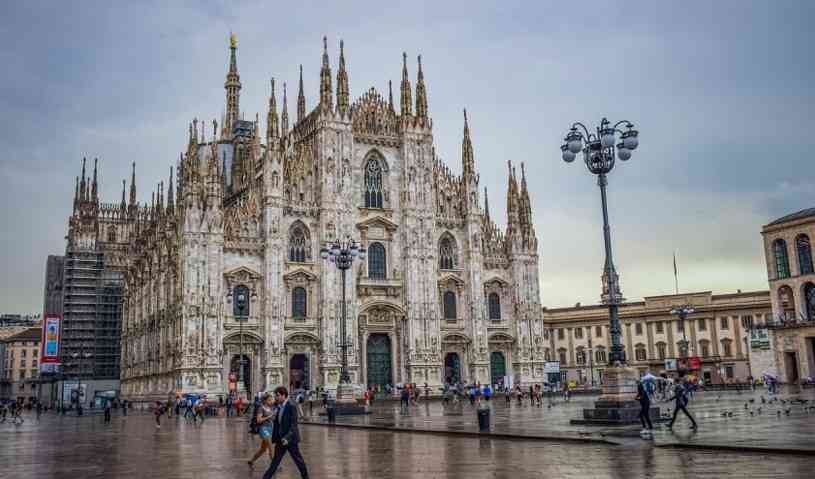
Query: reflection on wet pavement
[(131, 447)]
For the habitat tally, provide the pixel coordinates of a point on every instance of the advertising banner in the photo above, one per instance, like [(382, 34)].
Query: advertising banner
[(670, 364), (695, 363), (50, 340)]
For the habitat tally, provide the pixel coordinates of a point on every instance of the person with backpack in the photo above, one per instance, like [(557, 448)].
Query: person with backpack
[(262, 424), (681, 398)]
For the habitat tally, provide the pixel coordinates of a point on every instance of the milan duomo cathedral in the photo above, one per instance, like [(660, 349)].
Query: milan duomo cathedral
[(225, 288)]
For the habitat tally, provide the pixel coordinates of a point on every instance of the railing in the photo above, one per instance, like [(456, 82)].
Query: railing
[(786, 319)]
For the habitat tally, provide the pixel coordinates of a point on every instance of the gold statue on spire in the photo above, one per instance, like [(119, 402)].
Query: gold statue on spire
[(233, 40)]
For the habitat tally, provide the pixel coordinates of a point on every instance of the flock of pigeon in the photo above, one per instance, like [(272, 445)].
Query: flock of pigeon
[(785, 405)]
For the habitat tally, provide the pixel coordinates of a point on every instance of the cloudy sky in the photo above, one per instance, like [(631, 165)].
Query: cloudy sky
[(722, 93)]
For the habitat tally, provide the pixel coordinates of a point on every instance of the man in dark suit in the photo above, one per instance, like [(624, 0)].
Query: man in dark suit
[(286, 435)]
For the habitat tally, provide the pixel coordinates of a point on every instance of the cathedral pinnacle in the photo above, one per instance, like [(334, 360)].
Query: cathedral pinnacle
[(325, 79), (133, 186), (405, 100), (342, 83), (284, 116), (76, 194), (82, 185), (486, 204), (390, 95), (468, 162), (123, 204), (512, 199), (232, 87), (301, 99), (271, 120), (421, 93), (170, 197), (94, 187)]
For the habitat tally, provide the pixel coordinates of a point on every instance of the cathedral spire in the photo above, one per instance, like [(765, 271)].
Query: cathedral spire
[(421, 93), (170, 197), (468, 163), (301, 99), (390, 95), (133, 186), (486, 204), (76, 194), (83, 183), (232, 87), (405, 102), (123, 204), (271, 120), (512, 199), (325, 80), (94, 185), (342, 83), (284, 117)]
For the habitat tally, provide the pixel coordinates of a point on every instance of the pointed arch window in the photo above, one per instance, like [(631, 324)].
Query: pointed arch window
[(299, 308), (782, 263), (299, 250), (377, 262), (374, 189), (494, 305), (447, 253), (449, 305), (804, 254)]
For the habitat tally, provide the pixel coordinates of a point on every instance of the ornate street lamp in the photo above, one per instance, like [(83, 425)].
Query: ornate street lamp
[(599, 151), (601, 148), (79, 362), (342, 254)]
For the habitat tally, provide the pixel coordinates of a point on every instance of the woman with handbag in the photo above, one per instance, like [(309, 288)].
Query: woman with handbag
[(264, 417)]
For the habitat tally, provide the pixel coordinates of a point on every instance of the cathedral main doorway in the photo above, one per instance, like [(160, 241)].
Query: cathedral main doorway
[(235, 366), (298, 372), (452, 368), (498, 368), (378, 359)]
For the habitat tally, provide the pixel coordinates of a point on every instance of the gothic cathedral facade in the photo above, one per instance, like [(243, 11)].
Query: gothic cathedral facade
[(225, 288)]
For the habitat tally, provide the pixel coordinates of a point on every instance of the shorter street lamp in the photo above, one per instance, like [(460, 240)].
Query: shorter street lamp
[(683, 312), (79, 357), (241, 317), (342, 254)]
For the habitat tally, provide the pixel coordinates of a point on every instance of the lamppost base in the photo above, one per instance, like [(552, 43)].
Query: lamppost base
[(617, 405), (346, 403)]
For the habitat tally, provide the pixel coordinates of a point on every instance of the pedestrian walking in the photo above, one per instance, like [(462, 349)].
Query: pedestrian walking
[(404, 398), (158, 412), (286, 435), (645, 410), (264, 425), (107, 411), (39, 410), (681, 402), (124, 407)]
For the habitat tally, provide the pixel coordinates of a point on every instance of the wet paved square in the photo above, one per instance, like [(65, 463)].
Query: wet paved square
[(131, 447)]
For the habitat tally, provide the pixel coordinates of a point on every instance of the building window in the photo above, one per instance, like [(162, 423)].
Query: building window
[(35, 352), (809, 300), (111, 235), (782, 263), (600, 355), (680, 326), (240, 301), (377, 263), (726, 348), (804, 254), (562, 356), (682, 352), (578, 333), (545, 334), (728, 372), (34, 363), (373, 183), (701, 325), (494, 306), (581, 356), (447, 252), (661, 350), (660, 328), (547, 355), (22, 362), (704, 349), (449, 305), (598, 331), (639, 352), (638, 329), (560, 334), (747, 322), (298, 302), (299, 251), (21, 374), (723, 322), (23, 352)]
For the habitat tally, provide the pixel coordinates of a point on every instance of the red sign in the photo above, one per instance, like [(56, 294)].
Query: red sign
[(695, 363)]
